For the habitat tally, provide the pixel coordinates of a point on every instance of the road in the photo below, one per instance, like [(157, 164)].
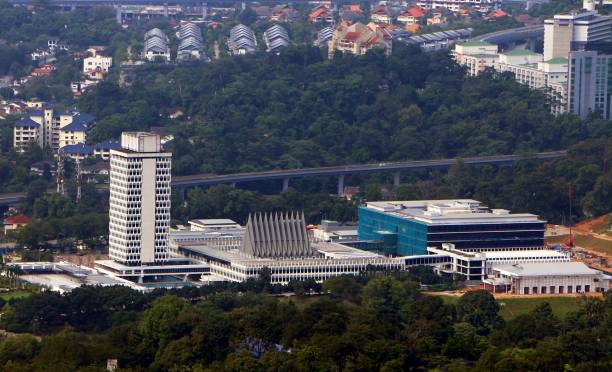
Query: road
[(204, 179), (285, 175), (513, 34)]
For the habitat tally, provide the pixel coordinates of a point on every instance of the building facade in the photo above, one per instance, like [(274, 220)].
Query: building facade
[(49, 127), (476, 55), (96, 66), (408, 227), (156, 46), (359, 38), (572, 31), (456, 5), (139, 212), (590, 83), (548, 278)]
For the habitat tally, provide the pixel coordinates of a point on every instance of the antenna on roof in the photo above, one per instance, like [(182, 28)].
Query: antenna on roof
[(78, 180), (570, 240), (60, 172)]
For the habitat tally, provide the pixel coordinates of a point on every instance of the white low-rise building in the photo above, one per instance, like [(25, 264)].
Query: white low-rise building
[(476, 55), (529, 68), (332, 231), (547, 278)]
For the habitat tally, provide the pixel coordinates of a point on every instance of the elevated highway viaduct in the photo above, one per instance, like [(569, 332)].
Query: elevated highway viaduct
[(336, 171)]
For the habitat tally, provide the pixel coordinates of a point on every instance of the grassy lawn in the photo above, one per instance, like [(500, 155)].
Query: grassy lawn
[(14, 294), (511, 307)]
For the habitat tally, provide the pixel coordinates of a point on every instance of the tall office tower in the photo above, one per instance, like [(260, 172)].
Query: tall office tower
[(590, 83), (571, 31), (139, 200)]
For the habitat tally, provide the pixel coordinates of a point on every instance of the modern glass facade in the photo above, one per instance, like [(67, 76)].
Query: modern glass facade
[(407, 236)]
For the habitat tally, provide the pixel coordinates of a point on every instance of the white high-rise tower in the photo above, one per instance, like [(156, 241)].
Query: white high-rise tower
[(572, 31), (139, 216)]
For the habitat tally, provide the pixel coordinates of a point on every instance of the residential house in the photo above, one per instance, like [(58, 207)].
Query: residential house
[(497, 13), (80, 87), (44, 70), (96, 66), (54, 44), (380, 14), (321, 14), (12, 223), (359, 38), (351, 13), (412, 15)]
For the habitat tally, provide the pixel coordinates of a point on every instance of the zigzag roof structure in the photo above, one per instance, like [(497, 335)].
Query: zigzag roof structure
[(277, 236), (276, 37), (242, 40), (155, 32)]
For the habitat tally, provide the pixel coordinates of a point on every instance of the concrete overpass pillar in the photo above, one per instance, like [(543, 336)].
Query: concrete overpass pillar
[(341, 184), (396, 179), (285, 183)]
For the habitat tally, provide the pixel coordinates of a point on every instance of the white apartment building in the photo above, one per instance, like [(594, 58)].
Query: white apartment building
[(53, 128), (139, 200), (571, 31), (475, 55), (588, 88), (455, 5)]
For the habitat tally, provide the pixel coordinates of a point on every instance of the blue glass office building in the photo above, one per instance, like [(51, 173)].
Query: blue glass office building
[(407, 228)]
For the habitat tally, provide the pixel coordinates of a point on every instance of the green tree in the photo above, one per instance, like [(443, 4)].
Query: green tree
[(479, 309)]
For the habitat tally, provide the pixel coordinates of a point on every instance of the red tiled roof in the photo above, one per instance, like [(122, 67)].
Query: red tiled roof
[(415, 11), (318, 12), (352, 36), (498, 13), (17, 219)]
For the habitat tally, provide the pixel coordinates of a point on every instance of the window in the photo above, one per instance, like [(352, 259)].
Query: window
[(535, 290), (587, 288), (569, 289), (526, 290), (552, 289), (578, 288), (543, 289)]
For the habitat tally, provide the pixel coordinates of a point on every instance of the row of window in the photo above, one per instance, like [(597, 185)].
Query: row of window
[(551, 289)]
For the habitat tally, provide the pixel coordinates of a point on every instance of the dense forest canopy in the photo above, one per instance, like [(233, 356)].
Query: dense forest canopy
[(300, 110), (367, 323)]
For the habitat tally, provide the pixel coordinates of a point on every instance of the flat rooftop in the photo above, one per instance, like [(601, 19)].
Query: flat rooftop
[(450, 212), (329, 252), (544, 253), (213, 221), (547, 269)]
